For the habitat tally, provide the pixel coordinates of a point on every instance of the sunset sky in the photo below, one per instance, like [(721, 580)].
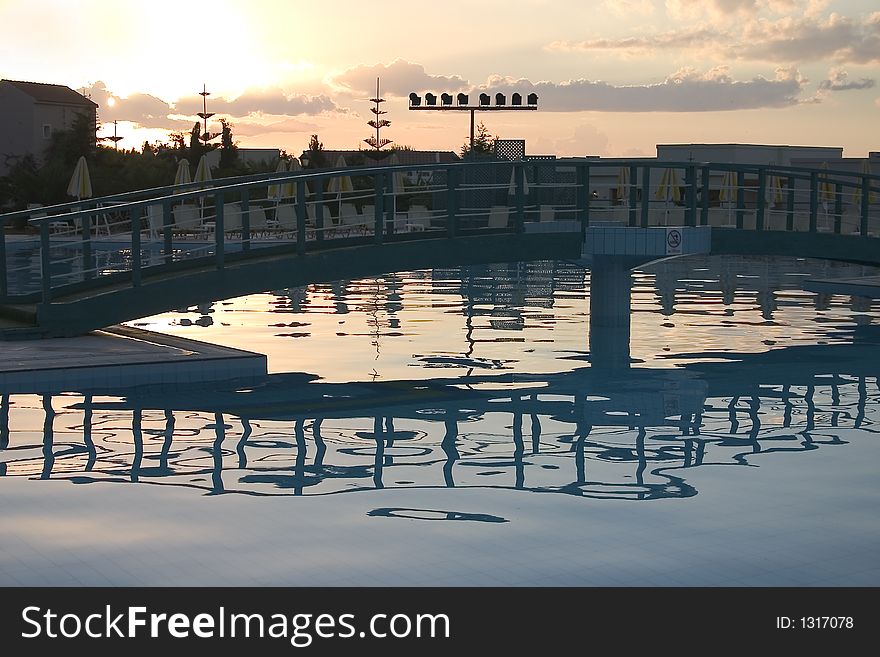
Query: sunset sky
[(614, 77)]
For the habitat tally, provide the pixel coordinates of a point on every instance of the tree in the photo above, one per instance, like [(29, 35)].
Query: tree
[(317, 159), (484, 143), (228, 150)]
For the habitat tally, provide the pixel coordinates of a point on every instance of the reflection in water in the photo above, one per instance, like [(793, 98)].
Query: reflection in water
[(584, 433), (434, 514), (500, 411)]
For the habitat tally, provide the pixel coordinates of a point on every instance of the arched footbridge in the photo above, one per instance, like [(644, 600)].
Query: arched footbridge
[(71, 268)]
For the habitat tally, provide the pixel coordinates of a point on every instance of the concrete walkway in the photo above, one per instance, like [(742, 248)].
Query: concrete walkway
[(120, 357)]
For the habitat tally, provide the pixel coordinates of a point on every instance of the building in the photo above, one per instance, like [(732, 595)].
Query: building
[(404, 157), (264, 157), (747, 153), (31, 111)]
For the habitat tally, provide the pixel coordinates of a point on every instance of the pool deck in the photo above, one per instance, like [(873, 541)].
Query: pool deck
[(120, 357), (863, 286)]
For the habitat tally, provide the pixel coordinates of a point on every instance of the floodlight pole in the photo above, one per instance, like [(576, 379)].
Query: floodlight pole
[(473, 109)]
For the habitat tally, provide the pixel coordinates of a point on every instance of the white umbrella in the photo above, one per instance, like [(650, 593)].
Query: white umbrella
[(182, 175), (727, 193), (276, 191), (202, 175), (80, 185), (512, 189)]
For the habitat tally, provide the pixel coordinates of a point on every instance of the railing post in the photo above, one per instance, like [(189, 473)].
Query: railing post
[(246, 219), (690, 180), (136, 244), (379, 209), (762, 201), (86, 223), (167, 222), (838, 208), (740, 200), (582, 194), (388, 195), (301, 213), (633, 195), (814, 201), (704, 196), (589, 196), (4, 283), (520, 196), (789, 205), (319, 211), (45, 264), (451, 210), (219, 232), (865, 201), (646, 195)]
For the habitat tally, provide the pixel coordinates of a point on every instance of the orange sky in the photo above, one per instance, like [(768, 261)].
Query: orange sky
[(614, 77)]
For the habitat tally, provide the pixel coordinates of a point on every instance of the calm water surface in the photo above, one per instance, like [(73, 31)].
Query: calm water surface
[(483, 379)]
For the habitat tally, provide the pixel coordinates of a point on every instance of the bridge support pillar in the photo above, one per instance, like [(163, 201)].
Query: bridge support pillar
[(610, 306)]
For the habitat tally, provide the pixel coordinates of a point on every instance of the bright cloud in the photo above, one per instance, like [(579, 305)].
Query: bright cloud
[(838, 80), (787, 39), (398, 78), (687, 90)]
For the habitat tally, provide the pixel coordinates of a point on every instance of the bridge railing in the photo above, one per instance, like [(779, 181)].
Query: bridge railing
[(126, 237)]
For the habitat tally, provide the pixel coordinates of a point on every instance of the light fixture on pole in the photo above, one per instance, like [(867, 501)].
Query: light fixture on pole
[(115, 138), (462, 105), (205, 115)]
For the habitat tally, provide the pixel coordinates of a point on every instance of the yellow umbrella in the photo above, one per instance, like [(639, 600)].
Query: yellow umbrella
[(826, 187), (276, 191), (669, 189), (512, 189), (398, 179), (80, 185), (182, 175), (773, 190), (727, 193), (623, 184), (340, 184), (857, 192)]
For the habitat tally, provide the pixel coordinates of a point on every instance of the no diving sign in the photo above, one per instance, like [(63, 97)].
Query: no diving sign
[(673, 241)]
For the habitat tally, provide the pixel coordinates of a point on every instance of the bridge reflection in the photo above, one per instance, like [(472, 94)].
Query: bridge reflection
[(634, 435)]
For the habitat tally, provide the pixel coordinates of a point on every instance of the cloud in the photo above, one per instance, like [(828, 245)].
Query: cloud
[(251, 129), (686, 90), (838, 80), (398, 78), (143, 109), (787, 39), (261, 101), (691, 9), (628, 8)]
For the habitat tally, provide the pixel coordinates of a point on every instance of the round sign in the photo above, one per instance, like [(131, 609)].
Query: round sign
[(673, 239)]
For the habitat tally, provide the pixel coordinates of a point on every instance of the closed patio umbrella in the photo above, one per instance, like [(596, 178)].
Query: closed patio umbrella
[(276, 191), (773, 190), (857, 192), (202, 175), (182, 175), (398, 179), (203, 171), (669, 188), (826, 189), (340, 184), (623, 185), (288, 189), (727, 193), (80, 185)]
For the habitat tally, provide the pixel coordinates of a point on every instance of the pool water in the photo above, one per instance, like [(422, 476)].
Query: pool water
[(458, 427)]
